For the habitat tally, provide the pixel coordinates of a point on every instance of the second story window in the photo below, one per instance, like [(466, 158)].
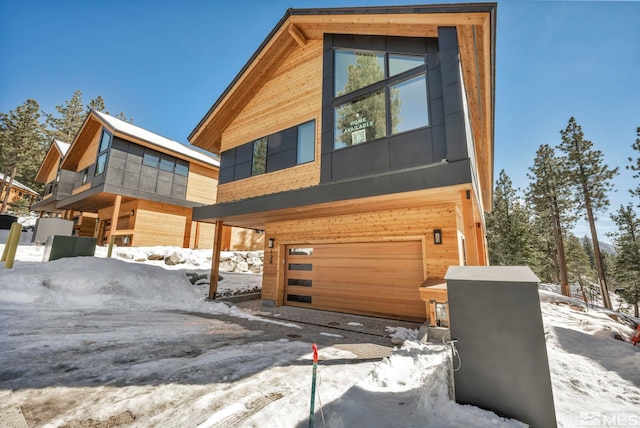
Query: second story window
[(103, 152), (377, 94)]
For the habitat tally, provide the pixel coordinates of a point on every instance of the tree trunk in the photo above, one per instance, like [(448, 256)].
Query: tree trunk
[(562, 261), (8, 187), (604, 290)]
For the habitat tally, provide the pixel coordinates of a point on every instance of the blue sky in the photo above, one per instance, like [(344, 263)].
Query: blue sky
[(164, 63)]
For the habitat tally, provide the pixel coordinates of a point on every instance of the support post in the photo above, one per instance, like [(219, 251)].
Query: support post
[(469, 228), (114, 222), (215, 260), (12, 245), (112, 240)]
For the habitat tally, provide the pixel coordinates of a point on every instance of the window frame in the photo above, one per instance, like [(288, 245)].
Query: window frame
[(384, 86), (102, 156)]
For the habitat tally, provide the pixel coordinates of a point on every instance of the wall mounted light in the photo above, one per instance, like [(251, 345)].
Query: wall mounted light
[(271, 241), (437, 236)]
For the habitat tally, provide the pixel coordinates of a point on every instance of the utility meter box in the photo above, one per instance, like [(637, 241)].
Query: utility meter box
[(47, 226), (58, 247), (496, 319)]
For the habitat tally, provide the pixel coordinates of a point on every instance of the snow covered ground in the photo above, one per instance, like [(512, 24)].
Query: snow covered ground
[(112, 342)]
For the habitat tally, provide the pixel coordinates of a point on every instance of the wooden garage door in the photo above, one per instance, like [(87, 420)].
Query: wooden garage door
[(379, 279)]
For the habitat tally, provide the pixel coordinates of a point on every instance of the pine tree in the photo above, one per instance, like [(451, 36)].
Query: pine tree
[(550, 198), (22, 145), (626, 264), (509, 236), (578, 265), (635, 165), (587, 245), (96, 104), (590, 179), (72, 114)]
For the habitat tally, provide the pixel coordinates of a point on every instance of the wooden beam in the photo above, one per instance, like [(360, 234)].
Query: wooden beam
[(196, 240), (297, 35), (186, 238), (114, 216), (215, 261), (471, 248)]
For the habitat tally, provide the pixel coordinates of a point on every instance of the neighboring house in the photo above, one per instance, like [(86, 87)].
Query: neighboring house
[(361, 141), (140, 187), (57, 186), (17, 191)]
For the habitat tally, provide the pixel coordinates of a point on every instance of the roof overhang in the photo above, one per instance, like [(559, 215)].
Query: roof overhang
[(51, 161), (476, 27), (94, 122)]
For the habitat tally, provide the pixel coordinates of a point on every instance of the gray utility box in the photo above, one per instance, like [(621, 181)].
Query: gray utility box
[(495, 318), (46, 227), (58, 247)]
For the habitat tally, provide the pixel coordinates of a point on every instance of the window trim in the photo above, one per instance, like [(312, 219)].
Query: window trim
[(384, 86), (104, 153), (229, 172)]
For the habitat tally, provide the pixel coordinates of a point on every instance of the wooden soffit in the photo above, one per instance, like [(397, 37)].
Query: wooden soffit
[(50, 162)]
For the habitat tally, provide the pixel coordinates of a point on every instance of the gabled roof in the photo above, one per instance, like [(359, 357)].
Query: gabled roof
[(62, 147), (133, 133), (57, 150), (17, 184), (475, 24)]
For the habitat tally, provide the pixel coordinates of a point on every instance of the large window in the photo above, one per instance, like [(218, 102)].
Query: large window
[(103, 152), (284, 149), (377, 95), (165, 162)]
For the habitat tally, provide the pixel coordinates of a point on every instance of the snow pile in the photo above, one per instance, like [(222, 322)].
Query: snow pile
[(103, 283), (591, 371), (95, 340), (409, 389)]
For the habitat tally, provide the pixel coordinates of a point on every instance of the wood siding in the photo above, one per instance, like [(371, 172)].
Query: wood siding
[(292, 96), (160, 224), (89, 155), (202, 184), (246, 240), (402, 224)]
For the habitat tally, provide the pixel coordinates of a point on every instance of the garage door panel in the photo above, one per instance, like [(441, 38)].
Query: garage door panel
[(378, 278)]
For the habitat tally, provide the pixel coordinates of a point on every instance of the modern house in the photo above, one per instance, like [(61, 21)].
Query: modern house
[(57, 186), (16, 191), (361, 141), (132, 184)]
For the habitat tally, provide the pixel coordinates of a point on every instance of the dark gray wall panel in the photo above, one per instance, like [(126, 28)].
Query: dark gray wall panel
[(147, 184), (226, 175), (178, 191), (244, 153), (361, 160), (242, 170), (131, 181), (281, 160), (228, 158), (495, 318), (117, 162), (411, 149), (149, 171), (163, 188), (115, 176), (165, 175), (282, 141), (134, 167)]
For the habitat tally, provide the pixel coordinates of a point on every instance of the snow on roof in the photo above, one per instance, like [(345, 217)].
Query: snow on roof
[(19, 185), (155, 139), (62, 146)]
